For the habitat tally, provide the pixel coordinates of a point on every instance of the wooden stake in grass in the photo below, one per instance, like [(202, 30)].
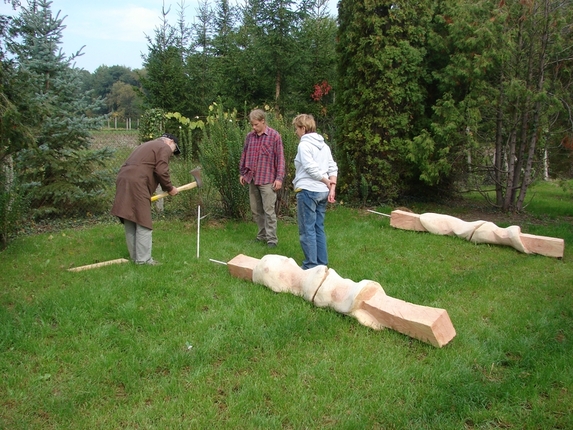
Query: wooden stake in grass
[(479, 232), (365, 300), (96, 265)]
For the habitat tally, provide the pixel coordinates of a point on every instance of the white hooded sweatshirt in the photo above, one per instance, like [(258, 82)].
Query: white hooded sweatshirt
[(313, 162)]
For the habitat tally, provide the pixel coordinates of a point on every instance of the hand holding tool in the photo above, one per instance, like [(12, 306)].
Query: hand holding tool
[(196, 172)]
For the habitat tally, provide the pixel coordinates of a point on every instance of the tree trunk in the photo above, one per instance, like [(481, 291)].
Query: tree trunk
[(277, 92), (8, 167), (510, 173), (498, 162), (527, 175), (545, 165), (515, 154)]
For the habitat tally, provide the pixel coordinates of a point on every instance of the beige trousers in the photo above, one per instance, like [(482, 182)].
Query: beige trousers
[(263, 199)]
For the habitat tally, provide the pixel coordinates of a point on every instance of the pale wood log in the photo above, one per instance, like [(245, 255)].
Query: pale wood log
[(542, 245), (96, 265), (430, 325), (366, 300)]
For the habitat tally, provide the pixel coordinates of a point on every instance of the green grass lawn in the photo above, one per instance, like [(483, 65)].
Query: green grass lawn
[(186, 346)]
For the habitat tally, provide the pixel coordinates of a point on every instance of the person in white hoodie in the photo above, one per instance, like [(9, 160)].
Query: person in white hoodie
[(314, 185)]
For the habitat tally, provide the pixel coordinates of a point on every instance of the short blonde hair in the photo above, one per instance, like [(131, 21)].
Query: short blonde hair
[(257, 115), (305, 121)]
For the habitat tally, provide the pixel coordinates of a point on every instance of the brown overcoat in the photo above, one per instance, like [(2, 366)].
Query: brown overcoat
[(137, 180)]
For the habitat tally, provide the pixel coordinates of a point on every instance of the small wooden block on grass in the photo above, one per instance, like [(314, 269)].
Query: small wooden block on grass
[(242, 267), (406, 221)]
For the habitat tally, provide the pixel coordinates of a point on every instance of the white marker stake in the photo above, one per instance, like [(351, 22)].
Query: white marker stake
[(198, 227), (217, 261), (379, 213)]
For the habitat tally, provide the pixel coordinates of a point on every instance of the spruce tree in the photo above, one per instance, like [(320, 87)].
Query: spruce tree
[(313, 86), (60, 169), (268, 59), (165, 84), (200, 62), (226, 56)]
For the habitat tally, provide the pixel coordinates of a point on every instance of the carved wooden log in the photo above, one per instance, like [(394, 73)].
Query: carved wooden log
[(365, 300), (479, 232)]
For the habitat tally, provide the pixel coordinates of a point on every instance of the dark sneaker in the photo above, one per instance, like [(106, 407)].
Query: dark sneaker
[(271, 245)]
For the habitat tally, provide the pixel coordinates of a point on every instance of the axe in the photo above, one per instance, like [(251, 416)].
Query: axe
[(196, 172)]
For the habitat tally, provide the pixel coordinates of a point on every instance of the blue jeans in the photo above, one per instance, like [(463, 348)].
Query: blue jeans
[(311, 209)]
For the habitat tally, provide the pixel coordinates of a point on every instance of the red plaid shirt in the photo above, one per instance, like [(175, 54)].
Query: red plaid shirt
[(263, 158)]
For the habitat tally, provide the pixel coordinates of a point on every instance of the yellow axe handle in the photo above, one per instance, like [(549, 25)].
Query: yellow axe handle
[(181, 188)]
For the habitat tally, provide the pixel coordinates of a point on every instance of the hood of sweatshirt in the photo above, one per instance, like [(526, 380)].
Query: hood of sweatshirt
[(314, 139)]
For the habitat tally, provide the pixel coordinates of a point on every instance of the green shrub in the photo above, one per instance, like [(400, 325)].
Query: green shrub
[(220, 155), (152, 124), (285, 196)]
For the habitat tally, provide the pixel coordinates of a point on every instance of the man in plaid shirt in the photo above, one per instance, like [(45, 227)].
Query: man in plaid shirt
[(263, 168)]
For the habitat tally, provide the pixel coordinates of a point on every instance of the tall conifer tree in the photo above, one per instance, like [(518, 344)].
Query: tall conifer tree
[(60, 169), (165, 84)]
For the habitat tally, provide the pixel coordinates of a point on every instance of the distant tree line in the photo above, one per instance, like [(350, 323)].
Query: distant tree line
[(263, 52), (119, 87), (274, 53)]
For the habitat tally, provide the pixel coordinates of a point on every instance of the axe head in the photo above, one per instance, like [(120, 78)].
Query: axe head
[(196, 172)]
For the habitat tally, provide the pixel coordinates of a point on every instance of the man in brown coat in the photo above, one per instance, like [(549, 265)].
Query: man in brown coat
[(138, 178)]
